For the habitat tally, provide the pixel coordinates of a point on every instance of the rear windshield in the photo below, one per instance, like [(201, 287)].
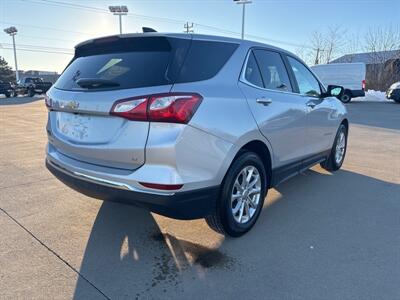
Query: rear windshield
[(145, 61)]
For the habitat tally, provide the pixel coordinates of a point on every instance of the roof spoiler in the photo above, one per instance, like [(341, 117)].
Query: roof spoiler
[(148, 29)]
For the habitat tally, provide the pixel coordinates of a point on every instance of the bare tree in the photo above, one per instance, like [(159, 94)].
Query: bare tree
[(333, 42), (304, 53), (383, 47), (381, 41), (318, 44), (352, 47), (327, 45)]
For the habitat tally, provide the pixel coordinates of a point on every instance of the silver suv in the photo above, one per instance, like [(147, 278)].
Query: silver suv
[(190, 126)]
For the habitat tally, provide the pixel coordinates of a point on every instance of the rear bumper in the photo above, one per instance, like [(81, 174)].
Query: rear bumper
[(357, 93), (185, 205)]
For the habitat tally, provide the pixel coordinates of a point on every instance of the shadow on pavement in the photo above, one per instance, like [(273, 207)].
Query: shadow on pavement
[(377, 114), (325, 235), (19, 100), (127, 255)]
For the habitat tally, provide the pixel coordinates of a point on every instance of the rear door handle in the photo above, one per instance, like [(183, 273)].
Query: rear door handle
[(264, 101)]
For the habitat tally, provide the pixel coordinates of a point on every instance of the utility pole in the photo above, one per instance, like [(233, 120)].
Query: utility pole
[(188, 28), (119, 10), (243, 2), (317, 56), (12, 31)]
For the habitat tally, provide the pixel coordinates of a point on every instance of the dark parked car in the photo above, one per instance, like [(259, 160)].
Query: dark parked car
[(32, 86), (6, 89), (394, 92)]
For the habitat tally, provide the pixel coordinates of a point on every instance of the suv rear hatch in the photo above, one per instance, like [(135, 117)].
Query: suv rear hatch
[(122, 68), (102, 72)]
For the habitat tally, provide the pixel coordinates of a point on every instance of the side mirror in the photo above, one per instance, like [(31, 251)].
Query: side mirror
[(334, 91)]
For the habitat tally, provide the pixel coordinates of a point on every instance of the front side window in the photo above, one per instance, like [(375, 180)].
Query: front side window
[(308, 84), (273, 71)]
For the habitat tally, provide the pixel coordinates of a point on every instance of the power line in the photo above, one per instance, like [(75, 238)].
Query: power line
[(47, 28), (70, 5), (278, 41), (162, 19), (37, 50), (39, 47), (100, 10), (47, 38)]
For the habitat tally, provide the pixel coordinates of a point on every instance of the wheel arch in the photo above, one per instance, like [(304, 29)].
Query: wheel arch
[(345, 122), (262, 150)]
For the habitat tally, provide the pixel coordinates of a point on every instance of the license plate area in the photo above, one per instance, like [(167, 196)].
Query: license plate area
[(86, 128), (75, 127)]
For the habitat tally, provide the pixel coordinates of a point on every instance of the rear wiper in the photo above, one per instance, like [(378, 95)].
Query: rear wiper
[(95, 83)]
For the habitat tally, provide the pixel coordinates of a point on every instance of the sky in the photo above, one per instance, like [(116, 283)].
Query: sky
[(48, 26)]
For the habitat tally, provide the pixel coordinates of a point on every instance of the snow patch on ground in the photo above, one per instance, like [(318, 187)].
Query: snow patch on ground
[(372, 95)]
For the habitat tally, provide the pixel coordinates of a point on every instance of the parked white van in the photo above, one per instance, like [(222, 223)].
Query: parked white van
[(349, 75)]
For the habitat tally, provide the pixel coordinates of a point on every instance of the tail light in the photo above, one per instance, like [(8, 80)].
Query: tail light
[(170, 107), (363, 84), (47, 101)]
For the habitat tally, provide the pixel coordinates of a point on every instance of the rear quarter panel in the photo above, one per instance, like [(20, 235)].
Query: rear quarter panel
[(224, 111)]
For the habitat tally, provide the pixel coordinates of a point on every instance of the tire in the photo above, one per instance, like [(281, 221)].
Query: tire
[(397, 100), (224, 220), (346, 97), (333, 163), (31, 92), (8, 95)]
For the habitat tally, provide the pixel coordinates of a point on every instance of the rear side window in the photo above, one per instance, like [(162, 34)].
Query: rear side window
[(146, 61), (273, 70), (205, 59), (252, 72)]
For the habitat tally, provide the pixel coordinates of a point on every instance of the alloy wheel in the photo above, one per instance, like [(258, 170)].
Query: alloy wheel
[(246, 193), (340, 147)]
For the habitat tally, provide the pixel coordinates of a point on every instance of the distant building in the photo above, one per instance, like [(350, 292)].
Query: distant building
[(383, 67), (368, 57)]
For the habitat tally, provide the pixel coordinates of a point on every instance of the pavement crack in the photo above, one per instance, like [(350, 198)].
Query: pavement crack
[(53, 252)]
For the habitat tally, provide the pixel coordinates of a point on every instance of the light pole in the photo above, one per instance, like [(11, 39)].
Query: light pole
[(119, 10), (243, 2), (13, 31), (188, 27)]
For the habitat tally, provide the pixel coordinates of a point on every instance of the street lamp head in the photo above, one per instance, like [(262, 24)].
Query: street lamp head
[(242, 1), (118, 9), (11, 30)]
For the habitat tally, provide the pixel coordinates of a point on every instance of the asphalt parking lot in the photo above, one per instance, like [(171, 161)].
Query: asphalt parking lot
[(320, 236)]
